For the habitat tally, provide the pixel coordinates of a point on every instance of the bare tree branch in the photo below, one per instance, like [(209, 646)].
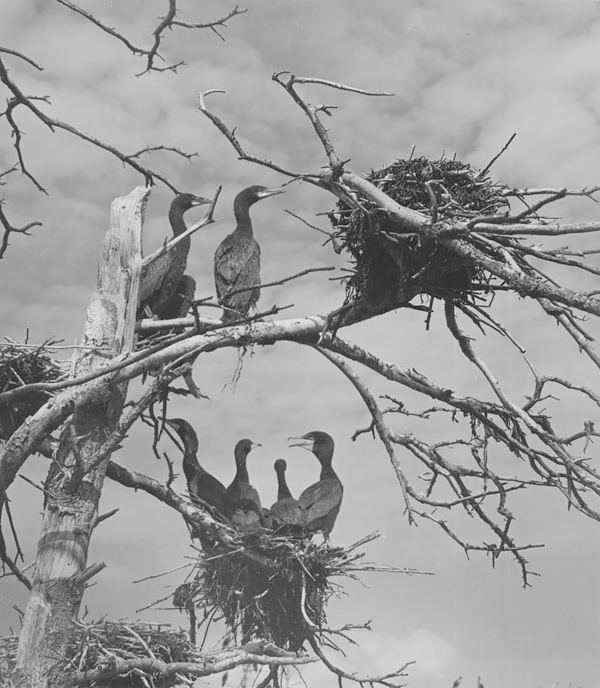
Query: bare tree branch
[(213, 664)]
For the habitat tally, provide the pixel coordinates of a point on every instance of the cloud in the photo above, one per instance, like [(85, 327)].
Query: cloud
[(434, 659)]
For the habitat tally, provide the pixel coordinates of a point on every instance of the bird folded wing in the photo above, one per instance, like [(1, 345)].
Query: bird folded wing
[(321, 498)]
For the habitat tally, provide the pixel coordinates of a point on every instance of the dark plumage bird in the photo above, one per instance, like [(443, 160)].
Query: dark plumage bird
[(237, 259), (202, 485), (321, 501), (160, 280), (244, 508), (179, 305), (286, 511)]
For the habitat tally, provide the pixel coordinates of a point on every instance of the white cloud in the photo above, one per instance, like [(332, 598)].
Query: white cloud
[(434, 659)]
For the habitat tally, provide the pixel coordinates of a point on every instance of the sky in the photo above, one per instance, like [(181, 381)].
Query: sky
[(466, 75)]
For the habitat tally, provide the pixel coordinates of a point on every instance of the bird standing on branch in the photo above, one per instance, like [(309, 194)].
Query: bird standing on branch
[(163, 289), (237, 259), (202, 485), (286, 511), (244, 508), (321, 501)]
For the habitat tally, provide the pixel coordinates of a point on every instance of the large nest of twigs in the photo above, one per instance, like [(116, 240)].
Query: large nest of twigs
[(22, 366), (266, 586), (389, 261), (97, 646)]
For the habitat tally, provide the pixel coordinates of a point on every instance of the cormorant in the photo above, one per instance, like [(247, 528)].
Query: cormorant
[(237, 259), (243, 508), (161, 278), (286, 511), (201, 484), (321, 501)]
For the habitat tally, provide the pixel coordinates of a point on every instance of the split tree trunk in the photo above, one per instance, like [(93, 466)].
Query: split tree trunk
[(74, 483)]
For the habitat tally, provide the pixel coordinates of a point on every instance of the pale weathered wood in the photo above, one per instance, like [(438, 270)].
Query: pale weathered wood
[(73, 486)]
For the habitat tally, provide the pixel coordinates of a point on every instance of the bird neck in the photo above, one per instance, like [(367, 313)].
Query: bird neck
[(325, 459), (283, 491), (177, 222), (242, 470), (241, 210), (327, 472), (190, 456)]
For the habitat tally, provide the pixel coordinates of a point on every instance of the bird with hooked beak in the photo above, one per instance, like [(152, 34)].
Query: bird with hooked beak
[(237, 258), (164, 289), (320, 501), (244, 509), (286, 513)]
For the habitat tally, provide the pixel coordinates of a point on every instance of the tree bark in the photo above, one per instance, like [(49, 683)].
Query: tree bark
[(74, 485)]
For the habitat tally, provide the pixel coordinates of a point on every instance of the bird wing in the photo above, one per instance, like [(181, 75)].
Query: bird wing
[(287, 510), (237, 259), (153, 275), (160, 278), (205, 486), (321, 498)]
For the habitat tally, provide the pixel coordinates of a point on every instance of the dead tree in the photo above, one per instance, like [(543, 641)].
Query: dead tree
[(481, 251)]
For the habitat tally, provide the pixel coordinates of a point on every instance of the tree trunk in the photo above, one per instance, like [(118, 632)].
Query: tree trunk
[(75, 480)]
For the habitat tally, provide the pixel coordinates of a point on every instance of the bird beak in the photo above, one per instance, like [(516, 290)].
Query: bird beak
[(200, 200), (270, 192), (303, 442), (256, 444)]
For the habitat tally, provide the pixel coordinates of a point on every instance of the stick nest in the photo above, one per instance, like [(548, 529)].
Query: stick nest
[(390, 262), (265, 586), (20, 367), (97, 646)]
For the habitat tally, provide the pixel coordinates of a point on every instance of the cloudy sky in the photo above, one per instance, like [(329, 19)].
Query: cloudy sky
[(466, 75)]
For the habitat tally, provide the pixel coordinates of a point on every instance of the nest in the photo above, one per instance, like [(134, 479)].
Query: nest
[(97, 646), (18, 367), (266, 586), (391, 264), (8, 657)]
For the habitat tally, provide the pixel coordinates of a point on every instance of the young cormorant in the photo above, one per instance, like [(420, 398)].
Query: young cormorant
[(321, 501), (237, 259), (244, 508), (286, 511), (202, 485)]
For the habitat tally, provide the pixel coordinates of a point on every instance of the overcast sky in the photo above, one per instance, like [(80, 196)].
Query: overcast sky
[(466, 75)]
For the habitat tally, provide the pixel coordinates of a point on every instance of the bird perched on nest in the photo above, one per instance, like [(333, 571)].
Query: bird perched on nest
[(286, 511), (321, 501), (237, 258), (202, 485), (161, 288), (244, 508)]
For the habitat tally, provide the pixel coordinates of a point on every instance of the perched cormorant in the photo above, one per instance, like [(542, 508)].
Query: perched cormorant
[(237, 259), (201, 484), (243, 507), (161, 278), (321, 501), (286, 511)]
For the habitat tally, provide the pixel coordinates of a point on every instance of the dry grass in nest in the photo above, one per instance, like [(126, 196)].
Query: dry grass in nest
[(267, 586), (388, 260), (22, 366)]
